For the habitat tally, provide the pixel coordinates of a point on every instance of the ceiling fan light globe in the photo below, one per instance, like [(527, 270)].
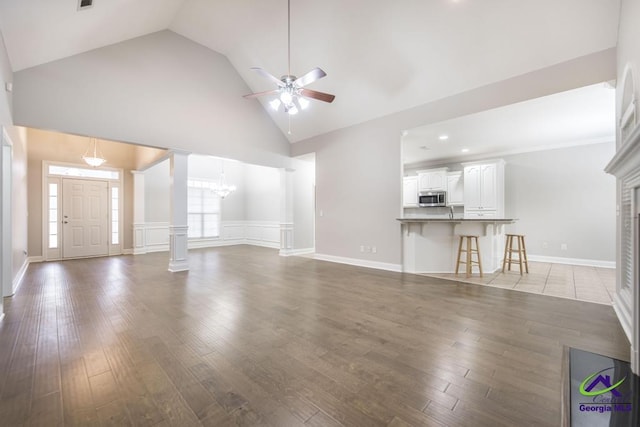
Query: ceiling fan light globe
[(286, 97), (304, 103), (292, 110), (275, 104)]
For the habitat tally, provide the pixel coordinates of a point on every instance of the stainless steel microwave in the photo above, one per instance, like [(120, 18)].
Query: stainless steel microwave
[(432, 198)]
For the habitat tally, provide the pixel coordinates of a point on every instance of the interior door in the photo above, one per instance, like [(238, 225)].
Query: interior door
[(85, 218)]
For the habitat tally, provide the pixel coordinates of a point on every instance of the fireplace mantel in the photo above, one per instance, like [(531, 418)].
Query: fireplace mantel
[(627, 158)]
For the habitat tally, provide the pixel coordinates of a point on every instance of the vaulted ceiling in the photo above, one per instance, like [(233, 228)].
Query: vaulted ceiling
[(380, 57)]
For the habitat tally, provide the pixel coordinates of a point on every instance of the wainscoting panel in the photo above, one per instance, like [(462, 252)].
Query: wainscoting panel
[(263, 234), (156, 236), (232, 231)]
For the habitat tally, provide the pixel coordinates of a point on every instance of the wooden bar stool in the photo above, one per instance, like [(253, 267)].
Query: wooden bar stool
[(469, 252), (521, 251)]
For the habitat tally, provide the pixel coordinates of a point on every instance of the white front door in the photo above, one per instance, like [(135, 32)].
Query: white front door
[(85, 218)]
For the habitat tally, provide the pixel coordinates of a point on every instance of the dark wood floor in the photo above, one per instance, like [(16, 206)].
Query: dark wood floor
[(250, 338)]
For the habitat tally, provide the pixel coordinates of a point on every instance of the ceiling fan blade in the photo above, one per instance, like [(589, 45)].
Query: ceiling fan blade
[(310, 77), (271, 77), (257, 94), (321, 96)]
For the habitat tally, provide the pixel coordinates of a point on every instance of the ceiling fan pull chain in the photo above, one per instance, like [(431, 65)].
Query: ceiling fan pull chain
[(289, 35)]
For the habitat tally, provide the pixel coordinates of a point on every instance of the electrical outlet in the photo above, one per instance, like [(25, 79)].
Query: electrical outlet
[(545, 245), (321, 212), (374, 250), (361, 248), (563, 246)]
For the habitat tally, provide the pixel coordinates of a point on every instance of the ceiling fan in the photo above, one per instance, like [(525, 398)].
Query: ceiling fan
[(292, 95)]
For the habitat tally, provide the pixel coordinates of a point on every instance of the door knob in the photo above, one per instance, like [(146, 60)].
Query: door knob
[(65, 222)]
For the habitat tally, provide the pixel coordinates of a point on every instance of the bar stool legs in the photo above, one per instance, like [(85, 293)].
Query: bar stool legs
[(469, 262), (521, 250)]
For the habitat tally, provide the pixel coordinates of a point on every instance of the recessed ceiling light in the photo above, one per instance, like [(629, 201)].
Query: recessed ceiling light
[(405, 132), (443, 137), (465, 150)]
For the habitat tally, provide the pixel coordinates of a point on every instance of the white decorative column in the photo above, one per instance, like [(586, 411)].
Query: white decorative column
[(139, 245), (286, 211), (178, 225)]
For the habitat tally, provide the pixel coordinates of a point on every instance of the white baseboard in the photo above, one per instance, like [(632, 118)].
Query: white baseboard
[(573, 261), (17, 280), (155, 248), (33, 259), (212, 243), (127, 252), (271, 245), (360, 262), (296, 252)]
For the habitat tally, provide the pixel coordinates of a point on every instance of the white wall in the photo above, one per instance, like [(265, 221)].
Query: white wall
[(6, 76), (160, 90), (156, 192), (19, 200), (262, 193), (563, 196), (358, 169), (304, 203)]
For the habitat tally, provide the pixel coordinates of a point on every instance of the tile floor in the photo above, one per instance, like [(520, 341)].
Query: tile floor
[(592, 284)]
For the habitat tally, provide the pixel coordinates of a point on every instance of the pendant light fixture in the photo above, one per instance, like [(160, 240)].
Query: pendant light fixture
[(93, 157), (223, 189)]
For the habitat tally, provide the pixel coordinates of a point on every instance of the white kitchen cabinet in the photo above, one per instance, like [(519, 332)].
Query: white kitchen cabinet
[(432, 180), (410, 192), (455, 189), (484, 189)]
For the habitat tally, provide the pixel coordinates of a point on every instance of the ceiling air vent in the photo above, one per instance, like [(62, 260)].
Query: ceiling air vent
[(84, 4)]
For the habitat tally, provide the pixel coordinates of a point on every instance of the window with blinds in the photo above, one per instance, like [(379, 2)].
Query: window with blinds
[(203, 210)]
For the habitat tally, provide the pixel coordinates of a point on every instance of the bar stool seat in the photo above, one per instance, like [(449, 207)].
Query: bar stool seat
[(521, 250), (467, 241)]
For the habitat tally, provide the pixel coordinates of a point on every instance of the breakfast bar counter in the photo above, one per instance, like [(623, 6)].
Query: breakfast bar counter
[(430, 245)]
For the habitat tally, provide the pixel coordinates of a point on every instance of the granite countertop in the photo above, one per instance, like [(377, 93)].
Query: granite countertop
[(418, 219)]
